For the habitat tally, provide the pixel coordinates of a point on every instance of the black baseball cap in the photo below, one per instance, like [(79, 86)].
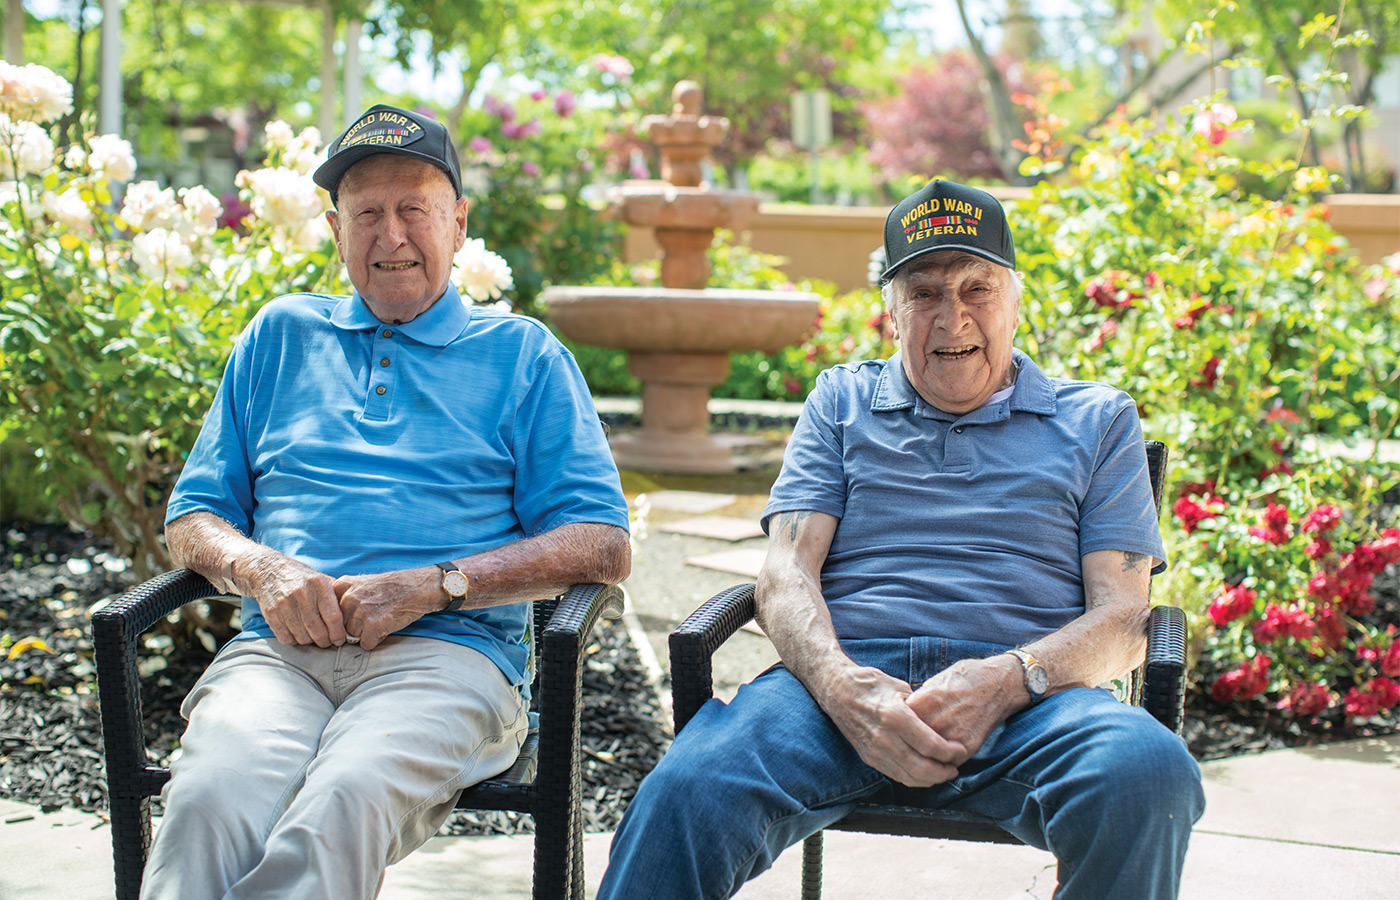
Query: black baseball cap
[(388, 129), (943, 215)]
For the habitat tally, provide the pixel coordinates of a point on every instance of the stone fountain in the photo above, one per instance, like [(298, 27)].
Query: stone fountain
[(679, 336)]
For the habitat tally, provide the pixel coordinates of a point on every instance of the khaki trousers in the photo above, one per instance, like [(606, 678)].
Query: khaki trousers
[(304, 772)]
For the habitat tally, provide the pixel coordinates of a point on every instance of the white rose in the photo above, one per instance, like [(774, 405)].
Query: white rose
[(480, 274), (202, 209), (69, 209), (112, 158), (158, 251), (147, 206), (278, 134), (25, 148), (312, 235), (282, 197), (34, 93), (302, 154)]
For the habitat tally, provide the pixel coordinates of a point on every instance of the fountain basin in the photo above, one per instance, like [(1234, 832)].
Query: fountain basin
[(670, 320), (658, 204)]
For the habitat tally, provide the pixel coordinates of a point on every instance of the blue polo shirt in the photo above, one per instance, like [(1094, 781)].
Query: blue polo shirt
[(359, 447), (966, 527)]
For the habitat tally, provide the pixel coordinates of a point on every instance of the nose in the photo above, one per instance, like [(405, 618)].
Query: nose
[(951, 316), (393, 231)]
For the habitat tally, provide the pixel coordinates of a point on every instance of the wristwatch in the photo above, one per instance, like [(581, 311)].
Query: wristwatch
[(1033, 675), (454, 583)]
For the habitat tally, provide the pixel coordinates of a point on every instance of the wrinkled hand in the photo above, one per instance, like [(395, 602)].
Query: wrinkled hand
[(870, 709), (298, 602), (969, 699), (376, 606)]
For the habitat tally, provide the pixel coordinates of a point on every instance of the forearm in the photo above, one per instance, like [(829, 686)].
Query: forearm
[(547, 565), (209, 545), (1098, 646), (1111, 637), (792, 612)]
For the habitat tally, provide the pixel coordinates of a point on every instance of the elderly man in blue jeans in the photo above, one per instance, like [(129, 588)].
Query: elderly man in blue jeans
[(959, 555)]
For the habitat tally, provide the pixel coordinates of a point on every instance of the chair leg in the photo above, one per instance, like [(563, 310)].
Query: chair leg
[(131, 842), (812, 867), (578, 889)]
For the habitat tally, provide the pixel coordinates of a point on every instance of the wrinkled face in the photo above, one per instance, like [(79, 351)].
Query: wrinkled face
[(955, 316), (397, 228)]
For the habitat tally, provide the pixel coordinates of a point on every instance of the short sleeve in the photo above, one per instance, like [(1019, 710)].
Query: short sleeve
[(813, 474), (565, 473), (1117, 512), (217, 476)]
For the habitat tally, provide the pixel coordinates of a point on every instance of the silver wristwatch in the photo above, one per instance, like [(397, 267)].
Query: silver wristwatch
[(1033, 675)]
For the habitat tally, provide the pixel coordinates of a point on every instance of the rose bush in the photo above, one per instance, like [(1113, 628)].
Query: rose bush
[(1258, 348), (120, 304)]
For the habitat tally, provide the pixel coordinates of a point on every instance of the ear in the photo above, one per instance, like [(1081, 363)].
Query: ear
[(460, 215), (333, 219)]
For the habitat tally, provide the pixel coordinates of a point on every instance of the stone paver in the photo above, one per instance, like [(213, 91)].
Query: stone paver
[(723, 528)]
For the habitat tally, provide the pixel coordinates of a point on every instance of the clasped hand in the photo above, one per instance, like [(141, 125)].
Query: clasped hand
[(303, 606), (920, 737)]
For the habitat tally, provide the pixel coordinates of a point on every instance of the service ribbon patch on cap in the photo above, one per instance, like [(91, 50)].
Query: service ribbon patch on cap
[(382, 127)]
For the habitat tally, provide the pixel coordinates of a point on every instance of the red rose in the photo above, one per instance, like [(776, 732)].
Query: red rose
[(1208, 375), (1307, 700), (1323, 519), (1362, 705), (1231, 605), (1390, 663), (1331, 627), (1318, 549)]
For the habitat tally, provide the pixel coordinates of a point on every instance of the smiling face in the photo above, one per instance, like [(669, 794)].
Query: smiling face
[(398, 225), (955, 316)]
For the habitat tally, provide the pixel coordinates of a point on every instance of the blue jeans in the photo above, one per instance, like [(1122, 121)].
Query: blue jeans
[(1100, 784)]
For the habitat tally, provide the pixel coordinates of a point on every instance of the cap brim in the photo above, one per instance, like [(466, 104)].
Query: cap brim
[(975, 251)]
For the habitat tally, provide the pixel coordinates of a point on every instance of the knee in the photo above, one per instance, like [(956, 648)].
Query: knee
[(1155, 776)]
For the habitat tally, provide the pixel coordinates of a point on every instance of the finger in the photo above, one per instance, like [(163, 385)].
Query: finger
[(311, 621), (331, 615)]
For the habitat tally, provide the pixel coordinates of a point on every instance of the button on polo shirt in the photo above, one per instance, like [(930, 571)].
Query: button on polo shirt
[(968, 527)]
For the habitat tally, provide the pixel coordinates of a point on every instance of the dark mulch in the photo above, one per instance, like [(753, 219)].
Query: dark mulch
[(51, 732)]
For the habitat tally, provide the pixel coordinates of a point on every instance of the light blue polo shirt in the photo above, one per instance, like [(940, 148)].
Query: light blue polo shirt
[(359, 447), (966, 527)]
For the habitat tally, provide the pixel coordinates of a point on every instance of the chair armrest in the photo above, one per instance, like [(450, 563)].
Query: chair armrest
[(695, 642), (116, 632), (561, 651), (1164, 672)]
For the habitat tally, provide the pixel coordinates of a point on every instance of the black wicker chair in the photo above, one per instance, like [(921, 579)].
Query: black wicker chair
[(1158, 686), (544, 781)]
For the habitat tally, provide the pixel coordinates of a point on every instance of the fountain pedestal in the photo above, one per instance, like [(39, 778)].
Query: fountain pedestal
[(679, 336)]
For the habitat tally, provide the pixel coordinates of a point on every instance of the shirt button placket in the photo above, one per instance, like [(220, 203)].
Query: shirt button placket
[(378, 402)]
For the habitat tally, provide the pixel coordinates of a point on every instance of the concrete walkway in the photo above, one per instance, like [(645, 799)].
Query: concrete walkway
[(1306, 823)]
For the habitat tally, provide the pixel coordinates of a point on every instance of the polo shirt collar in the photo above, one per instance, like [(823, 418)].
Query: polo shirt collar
[(438, 325), (1033, 394)]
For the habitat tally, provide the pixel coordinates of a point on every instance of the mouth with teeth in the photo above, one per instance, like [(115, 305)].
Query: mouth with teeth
[(956, 352), (395, 266)]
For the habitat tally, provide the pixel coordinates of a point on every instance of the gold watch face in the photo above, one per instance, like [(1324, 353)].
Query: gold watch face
[(455, 583)]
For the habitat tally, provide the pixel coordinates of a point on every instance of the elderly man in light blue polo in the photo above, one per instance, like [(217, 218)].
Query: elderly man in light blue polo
[(959, 554), (384, 478)]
